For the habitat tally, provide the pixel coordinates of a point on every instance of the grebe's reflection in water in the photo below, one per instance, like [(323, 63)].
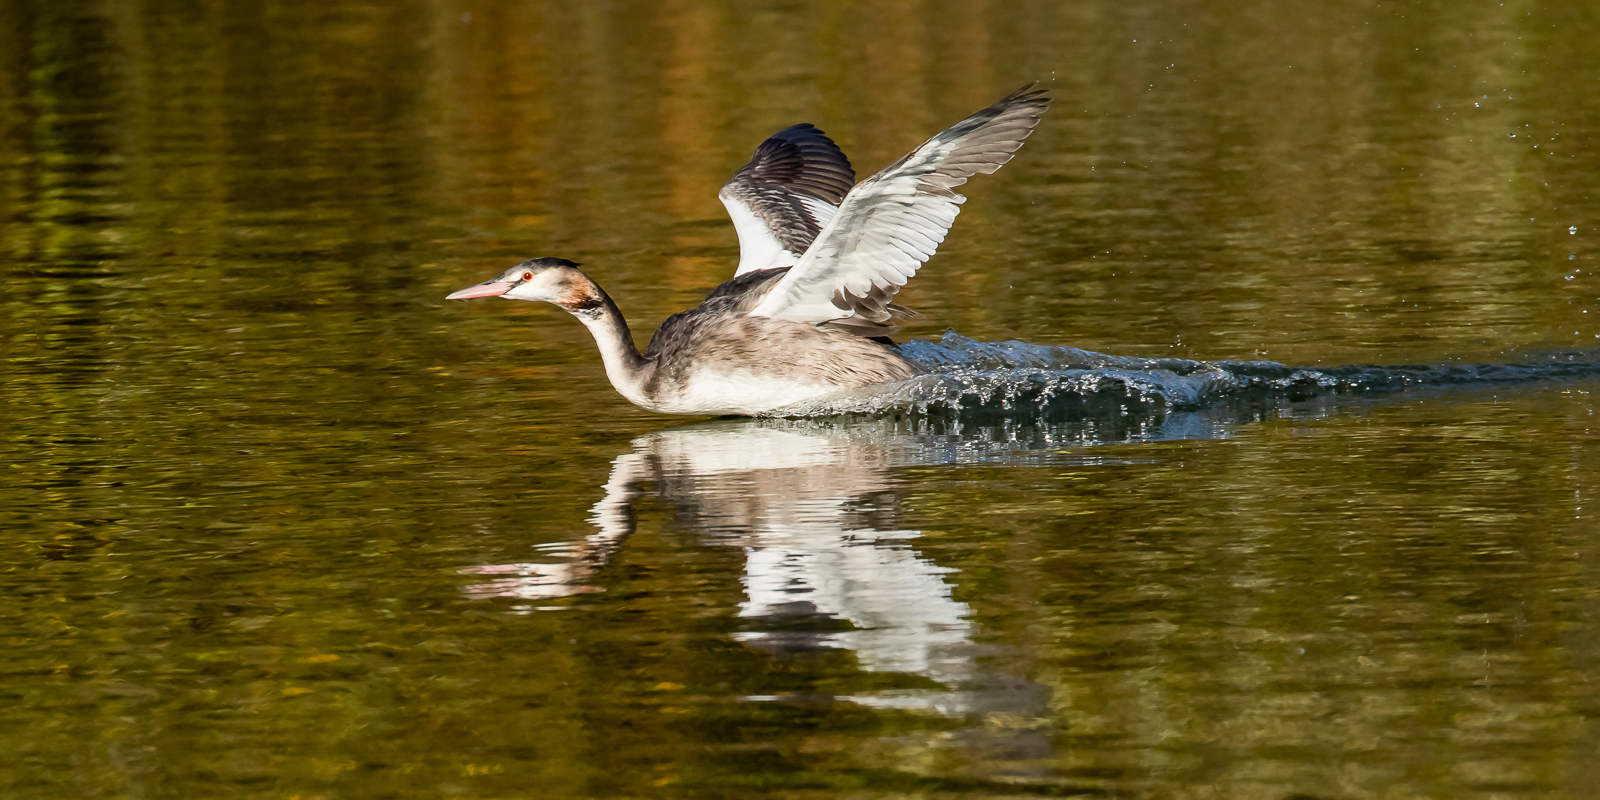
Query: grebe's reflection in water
[(814, 508)]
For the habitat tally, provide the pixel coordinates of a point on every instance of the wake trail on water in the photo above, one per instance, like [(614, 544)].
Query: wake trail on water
[(969, 378)]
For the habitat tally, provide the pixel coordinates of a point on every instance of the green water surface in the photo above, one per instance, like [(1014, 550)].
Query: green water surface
[(277, 521)]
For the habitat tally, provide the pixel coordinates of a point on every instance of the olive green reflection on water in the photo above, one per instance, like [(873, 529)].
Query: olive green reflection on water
[(270, 505)]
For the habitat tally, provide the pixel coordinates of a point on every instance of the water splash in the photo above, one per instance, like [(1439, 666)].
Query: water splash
[(974, 379)]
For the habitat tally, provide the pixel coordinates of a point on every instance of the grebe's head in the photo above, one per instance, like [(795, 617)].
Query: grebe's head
[(552, 280)]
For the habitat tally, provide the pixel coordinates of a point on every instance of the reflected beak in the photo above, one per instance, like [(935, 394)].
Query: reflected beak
[(489, 288)]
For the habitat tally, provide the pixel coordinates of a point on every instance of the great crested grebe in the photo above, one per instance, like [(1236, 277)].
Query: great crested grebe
[(808, 312)]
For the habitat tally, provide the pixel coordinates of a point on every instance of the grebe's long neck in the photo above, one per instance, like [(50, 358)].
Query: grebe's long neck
[(627, 370)]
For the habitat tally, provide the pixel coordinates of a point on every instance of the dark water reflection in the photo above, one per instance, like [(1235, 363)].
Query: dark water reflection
[(276, 522)]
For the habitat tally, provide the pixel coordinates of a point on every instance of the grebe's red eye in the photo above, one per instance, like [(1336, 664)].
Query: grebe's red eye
[(527, 276)]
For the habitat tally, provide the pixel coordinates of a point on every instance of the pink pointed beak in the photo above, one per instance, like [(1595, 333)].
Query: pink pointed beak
[(489, 288)]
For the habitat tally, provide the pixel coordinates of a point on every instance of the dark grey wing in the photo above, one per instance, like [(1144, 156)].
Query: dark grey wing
[(784, 197), (892, 223)]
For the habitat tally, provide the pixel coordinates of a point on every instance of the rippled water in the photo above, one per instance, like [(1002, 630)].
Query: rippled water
[(1017, 381), (1258, 460)]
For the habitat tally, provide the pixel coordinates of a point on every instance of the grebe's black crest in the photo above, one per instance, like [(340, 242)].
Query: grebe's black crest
[(546, 262)]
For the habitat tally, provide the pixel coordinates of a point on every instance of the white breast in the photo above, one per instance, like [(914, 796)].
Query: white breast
[(735, 393)]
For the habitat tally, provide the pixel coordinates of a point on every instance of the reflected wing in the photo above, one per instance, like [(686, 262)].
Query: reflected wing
[(890, 224), (781, 200)]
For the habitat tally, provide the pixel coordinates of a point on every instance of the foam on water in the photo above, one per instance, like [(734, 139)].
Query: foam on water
[(970, 378)]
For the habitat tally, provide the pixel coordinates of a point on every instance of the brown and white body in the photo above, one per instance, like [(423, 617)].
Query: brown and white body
[(809, 312)]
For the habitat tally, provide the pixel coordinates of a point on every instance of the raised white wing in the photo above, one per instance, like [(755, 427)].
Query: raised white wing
[(781, 200), (893, 221)]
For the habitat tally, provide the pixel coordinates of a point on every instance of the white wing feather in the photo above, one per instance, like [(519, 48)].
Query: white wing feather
[(891, 223), (759, 247)]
